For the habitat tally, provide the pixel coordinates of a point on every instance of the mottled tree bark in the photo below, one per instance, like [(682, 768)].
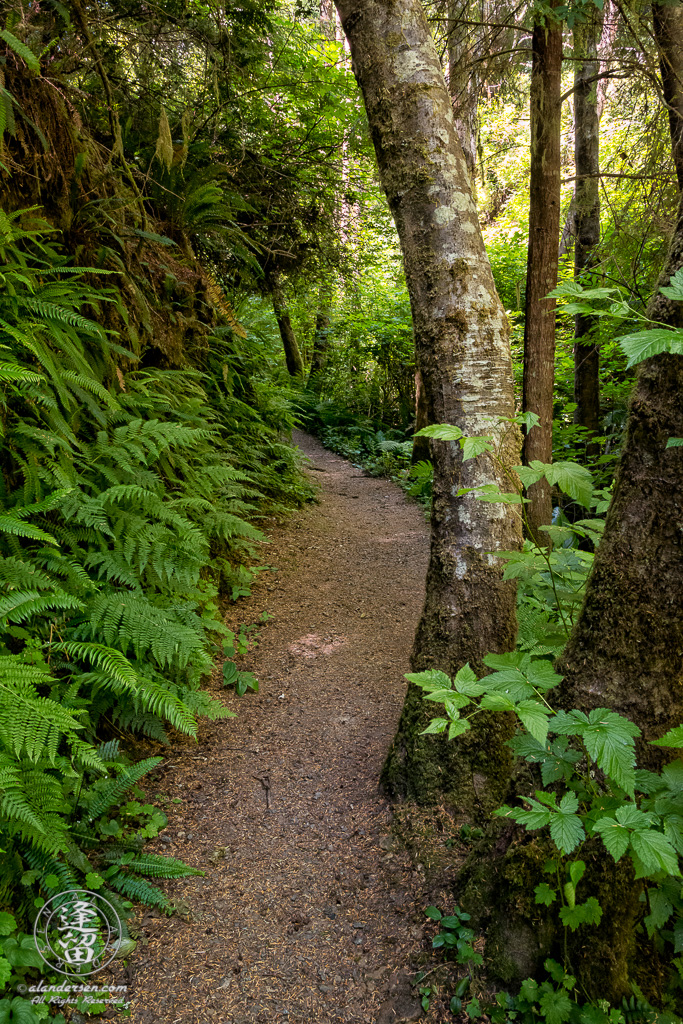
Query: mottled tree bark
[(667, 20), (462, 344), (295, 363), (544, 232), (587, 205)]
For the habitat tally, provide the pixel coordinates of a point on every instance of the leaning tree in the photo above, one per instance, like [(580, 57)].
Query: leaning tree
[(462, 346)]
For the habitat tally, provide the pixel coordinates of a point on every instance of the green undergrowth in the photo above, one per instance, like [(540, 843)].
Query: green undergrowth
[(589, 887), (129, 506)]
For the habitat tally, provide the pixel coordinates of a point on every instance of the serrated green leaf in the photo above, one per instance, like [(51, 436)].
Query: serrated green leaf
[(672, 738), (655, 852), (474, 446), (609, 739), (646, 344), (614, 836), (674, 289), (458, 728), (589, 912), (675, 442), (544, 894), (673, 830), (437, 725), (431, 680), (566, 830), (441, 431), (661, 910), (534, 718), (556, 1007)]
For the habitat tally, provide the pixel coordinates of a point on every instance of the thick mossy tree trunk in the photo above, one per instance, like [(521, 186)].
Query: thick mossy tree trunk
[(541, 278), (587, 206), (295, 363), (626, 652), (462, 344)]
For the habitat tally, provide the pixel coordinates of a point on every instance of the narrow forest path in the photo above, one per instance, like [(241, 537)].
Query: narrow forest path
[(305, 915)]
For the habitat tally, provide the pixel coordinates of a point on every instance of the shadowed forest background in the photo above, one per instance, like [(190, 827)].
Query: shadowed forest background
[(445, 238)]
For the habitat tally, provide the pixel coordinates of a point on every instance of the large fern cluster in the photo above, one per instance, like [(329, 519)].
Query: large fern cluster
[(125, 495)]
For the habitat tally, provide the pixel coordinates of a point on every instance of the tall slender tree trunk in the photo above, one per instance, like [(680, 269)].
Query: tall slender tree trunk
[(328, 19), (667, 20), (462, 344), (462, 85), (544, 231), (587, 200), (609, 18), (321, 342), (295, 363)]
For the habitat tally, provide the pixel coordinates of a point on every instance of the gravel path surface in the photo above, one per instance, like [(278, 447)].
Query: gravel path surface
[(308, 913)]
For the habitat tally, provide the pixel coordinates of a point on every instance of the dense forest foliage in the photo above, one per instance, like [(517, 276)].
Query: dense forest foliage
[(222, 220)]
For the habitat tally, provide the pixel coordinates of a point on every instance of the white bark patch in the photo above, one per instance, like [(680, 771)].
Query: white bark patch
[(409, 65), (461, 567), (444, 215)]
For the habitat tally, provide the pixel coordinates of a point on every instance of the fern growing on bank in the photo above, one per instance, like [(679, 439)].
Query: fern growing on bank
[(127, 500)]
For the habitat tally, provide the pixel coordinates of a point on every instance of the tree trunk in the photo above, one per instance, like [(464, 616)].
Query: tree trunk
[(462, 86), (544, 231), (295, 363), (462, 344), (626, 652), (321, 343), (328, 19), (587, 202), (606, 46), (667, 20), (420, 444)]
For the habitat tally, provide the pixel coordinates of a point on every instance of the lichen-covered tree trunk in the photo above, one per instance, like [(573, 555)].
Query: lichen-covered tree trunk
[(587, 206), (461, 338), (295, 363), (541, 278)]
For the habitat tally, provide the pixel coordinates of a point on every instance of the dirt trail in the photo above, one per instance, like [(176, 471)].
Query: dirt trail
[(307, 913)]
